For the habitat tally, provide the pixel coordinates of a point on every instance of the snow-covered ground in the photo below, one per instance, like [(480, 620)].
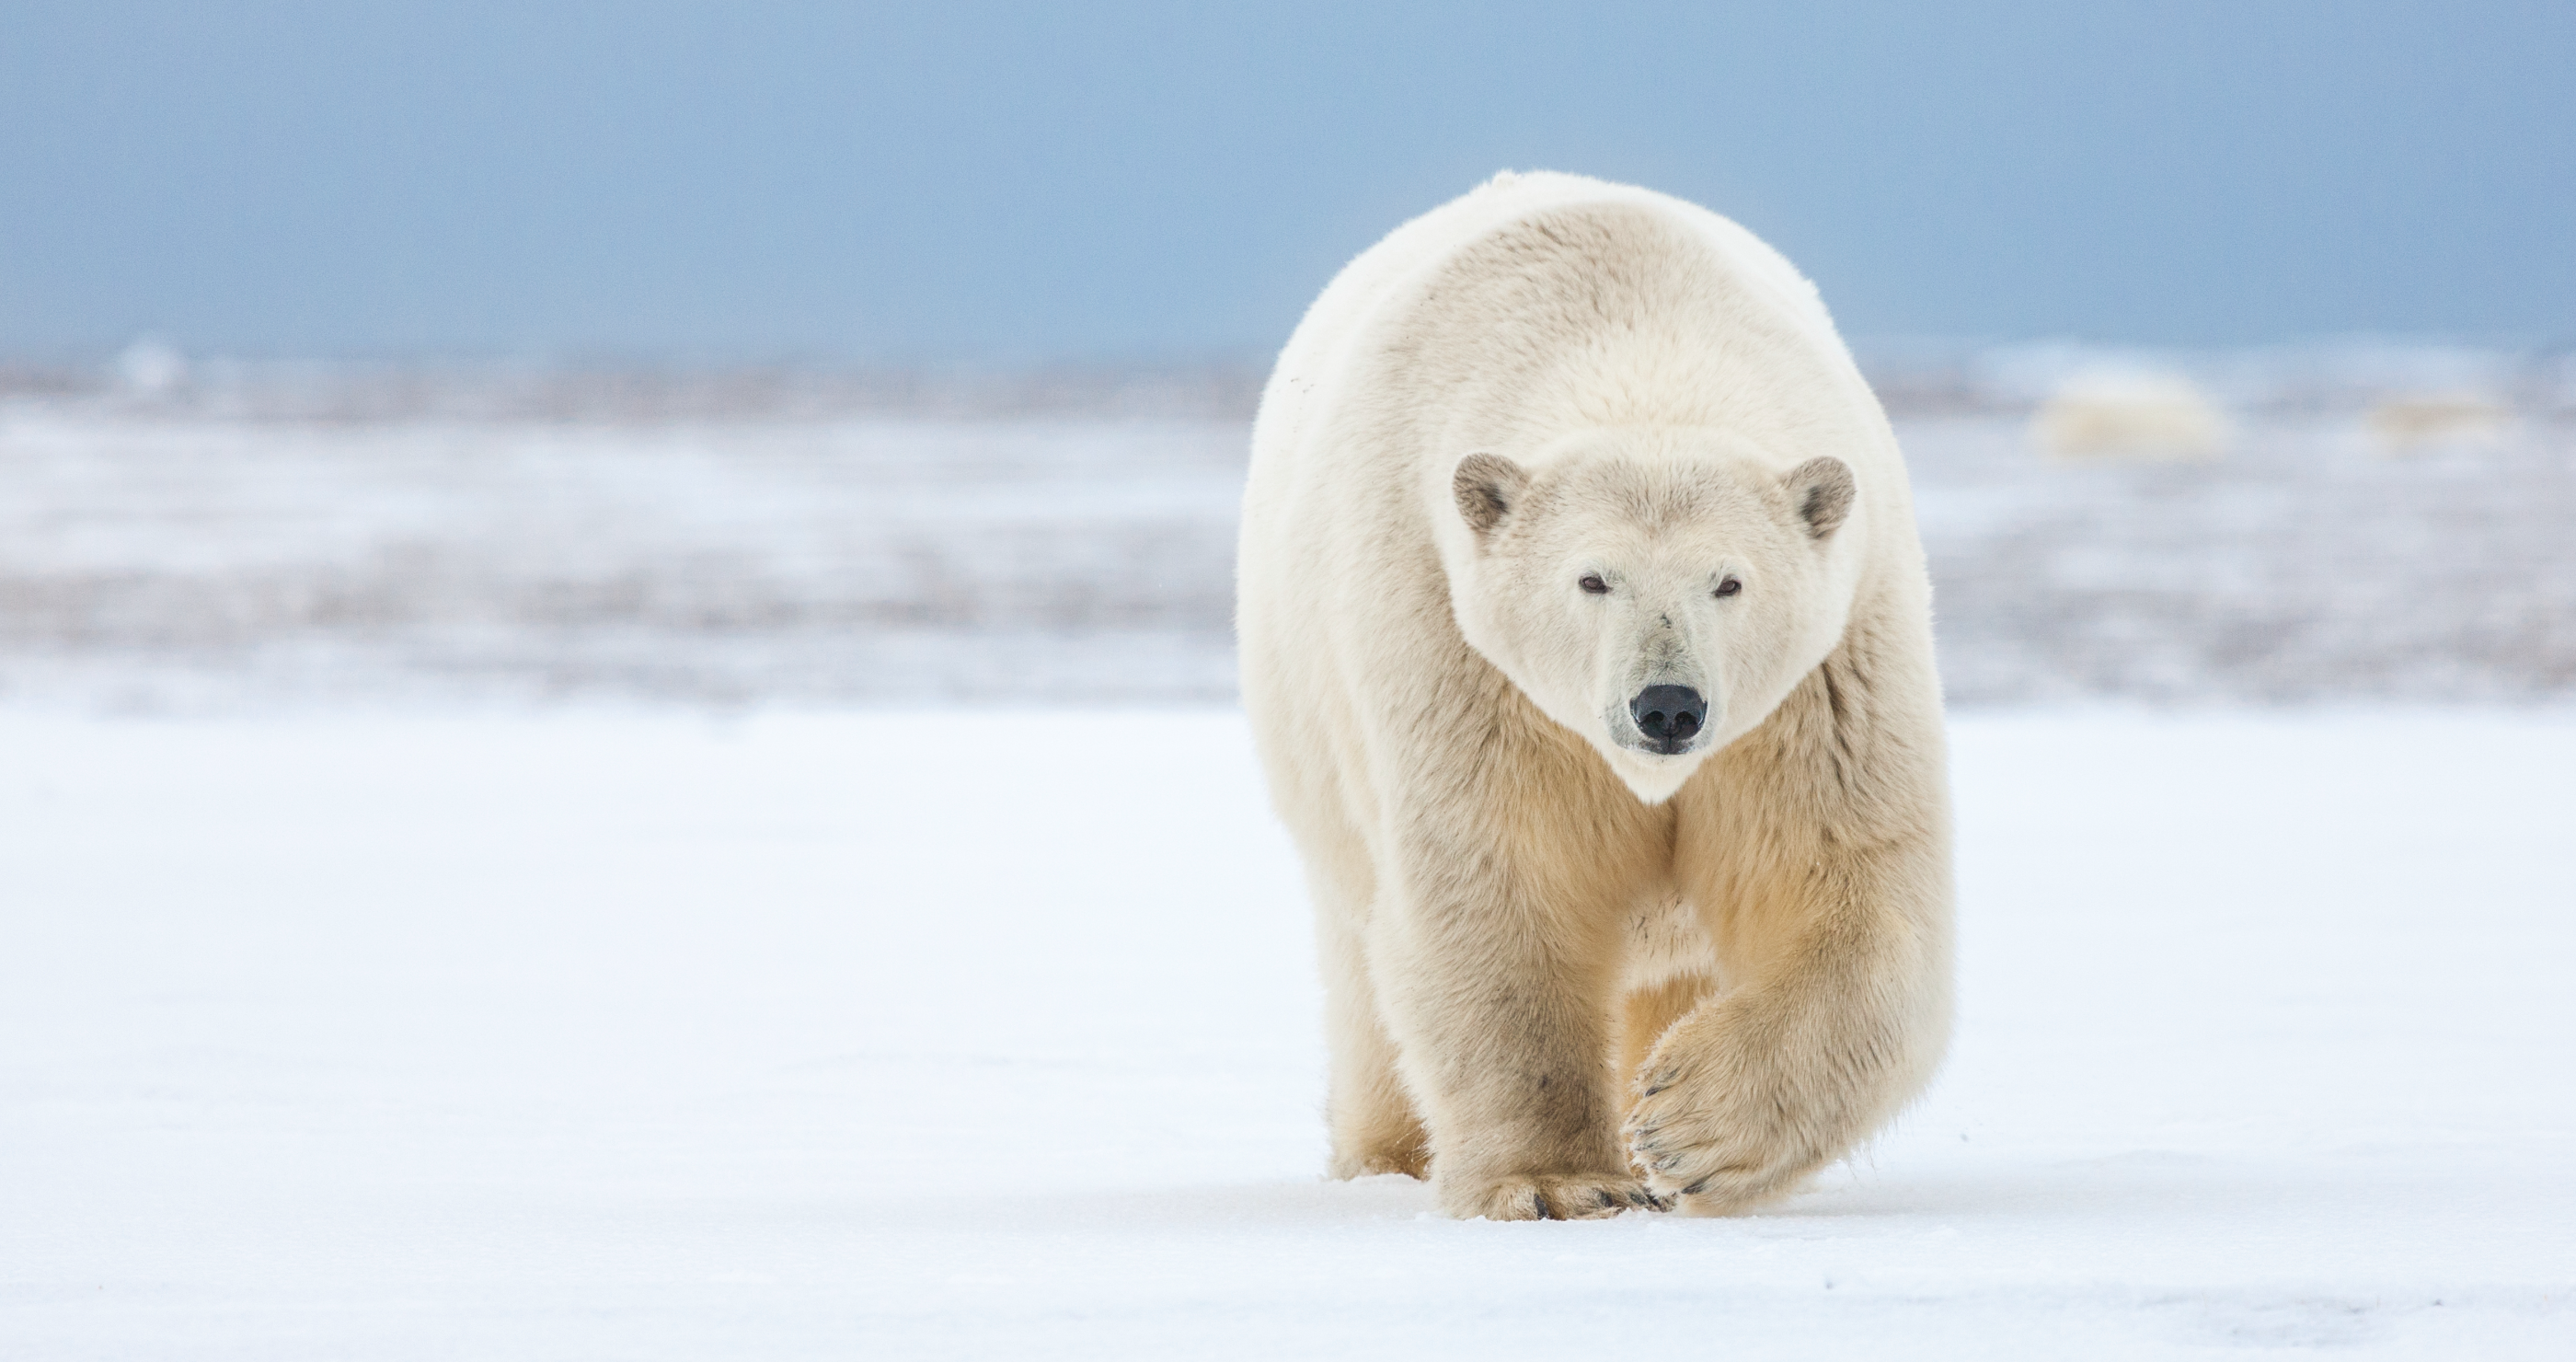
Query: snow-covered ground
[(190, 564), (990, 1033)]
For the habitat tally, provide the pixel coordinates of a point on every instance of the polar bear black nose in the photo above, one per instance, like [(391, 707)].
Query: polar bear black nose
[(1669, 716)]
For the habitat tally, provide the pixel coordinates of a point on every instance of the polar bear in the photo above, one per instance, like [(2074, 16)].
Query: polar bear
[(1586, 640)]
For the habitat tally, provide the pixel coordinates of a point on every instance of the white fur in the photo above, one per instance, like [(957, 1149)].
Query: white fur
[(1496, 858)]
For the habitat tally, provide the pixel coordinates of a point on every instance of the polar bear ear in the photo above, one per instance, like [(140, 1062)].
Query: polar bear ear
[(1487, 486), (1822, 489)]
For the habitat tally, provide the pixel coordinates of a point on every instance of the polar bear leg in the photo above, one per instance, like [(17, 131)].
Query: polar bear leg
[(1500, 976), (1374, 1126), (1842, 1016)]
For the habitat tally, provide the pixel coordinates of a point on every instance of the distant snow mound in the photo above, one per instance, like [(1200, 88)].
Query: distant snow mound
[(2129, 415), (2409, 423)]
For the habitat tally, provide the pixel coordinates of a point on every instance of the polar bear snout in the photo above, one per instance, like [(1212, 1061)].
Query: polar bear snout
[(1668, 716)]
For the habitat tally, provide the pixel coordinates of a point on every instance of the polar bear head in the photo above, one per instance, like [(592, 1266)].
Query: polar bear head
[(1658, 600)]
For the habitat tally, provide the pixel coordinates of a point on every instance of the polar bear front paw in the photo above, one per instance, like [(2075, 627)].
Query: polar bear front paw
[(1713, 1137), (1544, 1196)]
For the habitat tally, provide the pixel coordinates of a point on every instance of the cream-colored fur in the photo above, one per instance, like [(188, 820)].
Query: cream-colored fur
[(1568, 973)]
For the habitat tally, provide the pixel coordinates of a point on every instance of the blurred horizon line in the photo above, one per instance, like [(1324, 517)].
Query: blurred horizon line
[(1913, 376)]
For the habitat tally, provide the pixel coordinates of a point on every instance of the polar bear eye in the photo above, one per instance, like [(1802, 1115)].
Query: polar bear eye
[(1593, 584), (1729, 587)]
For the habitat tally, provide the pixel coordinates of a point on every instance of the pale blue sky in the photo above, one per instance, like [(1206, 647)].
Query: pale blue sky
[(1008, 182)]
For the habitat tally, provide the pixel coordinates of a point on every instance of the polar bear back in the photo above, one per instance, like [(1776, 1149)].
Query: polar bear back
[(1531, 309)]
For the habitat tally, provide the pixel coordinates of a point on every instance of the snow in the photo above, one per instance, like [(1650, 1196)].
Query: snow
[(193, 564), (990, 1033)]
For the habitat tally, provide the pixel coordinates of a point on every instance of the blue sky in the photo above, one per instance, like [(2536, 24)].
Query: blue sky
[(963, 182)]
